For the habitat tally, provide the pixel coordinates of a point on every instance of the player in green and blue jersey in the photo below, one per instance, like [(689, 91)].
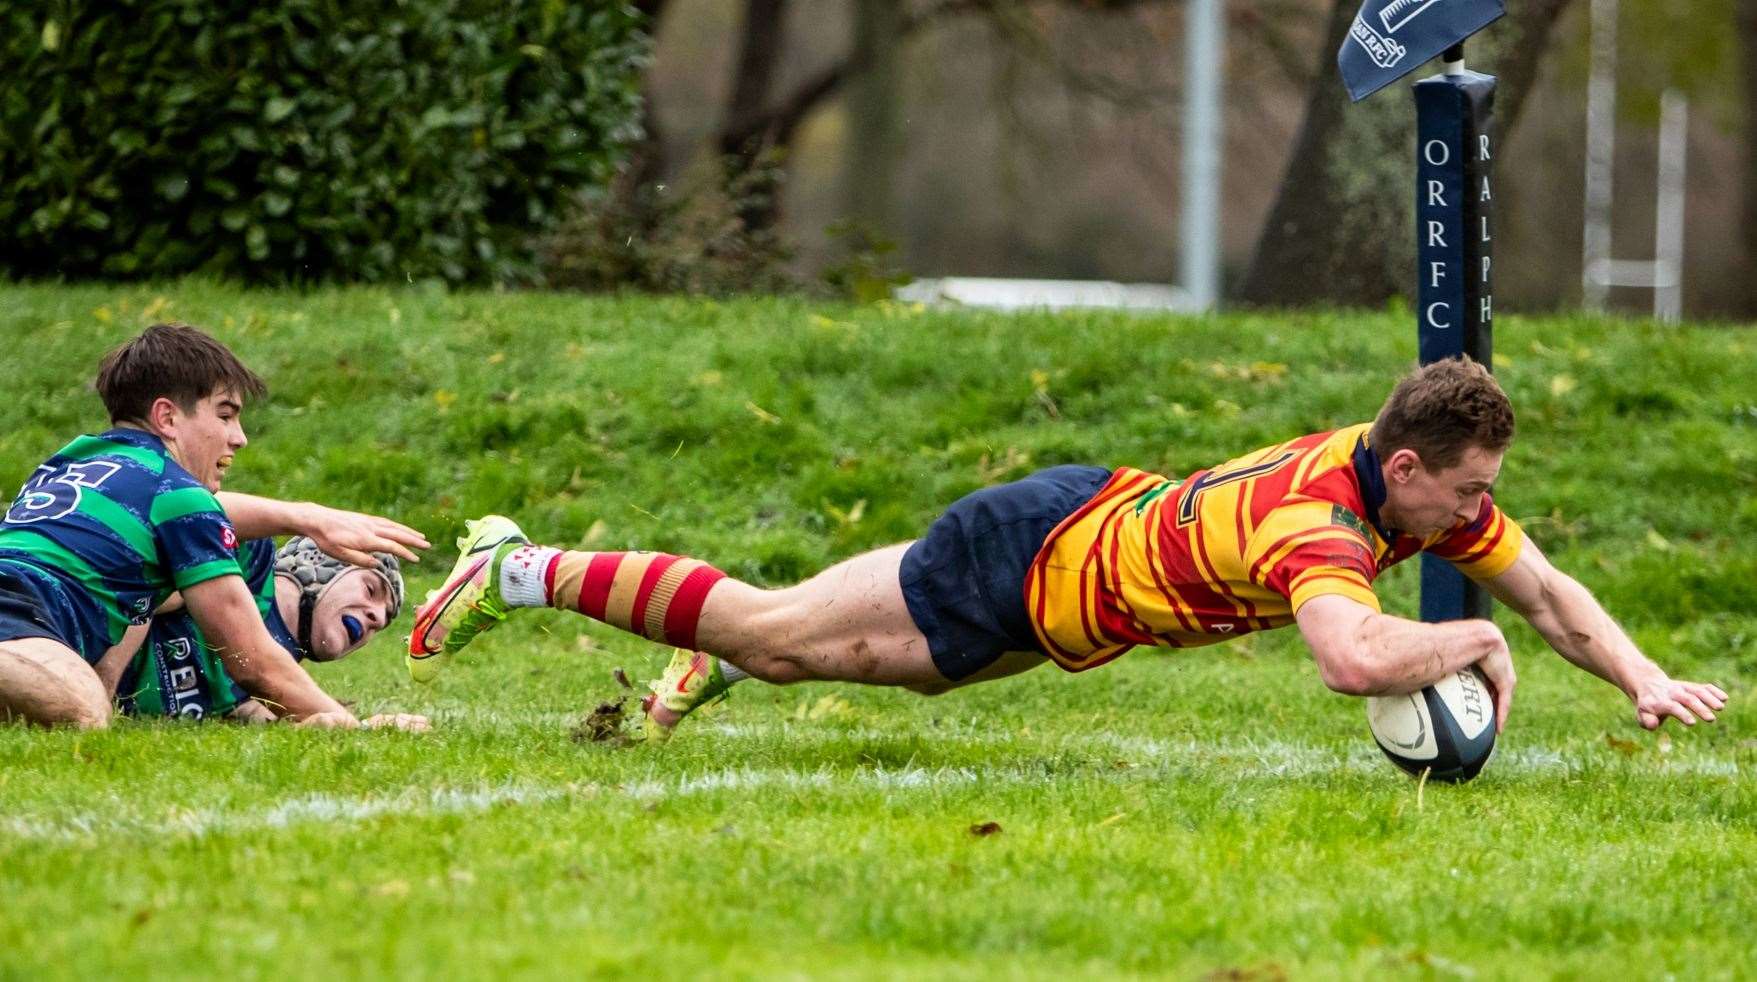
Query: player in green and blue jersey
[(107, 529), (314, 605)]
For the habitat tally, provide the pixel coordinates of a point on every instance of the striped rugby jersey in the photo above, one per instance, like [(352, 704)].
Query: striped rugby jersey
[(108, 528), (177, 673), (1233, 549)]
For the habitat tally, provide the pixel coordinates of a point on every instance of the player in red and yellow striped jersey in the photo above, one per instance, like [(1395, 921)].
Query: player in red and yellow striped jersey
[(1234, 549), (1076, 565)]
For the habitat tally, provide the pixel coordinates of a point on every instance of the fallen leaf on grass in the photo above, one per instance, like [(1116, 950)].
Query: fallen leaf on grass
[(985, 828), (621, 678), (1627, 748), (830, 706)]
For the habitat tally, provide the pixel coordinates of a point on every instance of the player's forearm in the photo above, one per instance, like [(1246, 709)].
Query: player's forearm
[(274, 679), (1396, 655), (253, 659), (255, 517), (1580, 630)]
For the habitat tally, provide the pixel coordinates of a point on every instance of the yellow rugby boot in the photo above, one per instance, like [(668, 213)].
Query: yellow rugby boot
[(692, 680), (469, 603)]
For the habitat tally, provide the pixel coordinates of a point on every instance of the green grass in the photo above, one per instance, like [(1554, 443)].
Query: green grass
[(1215, 811)]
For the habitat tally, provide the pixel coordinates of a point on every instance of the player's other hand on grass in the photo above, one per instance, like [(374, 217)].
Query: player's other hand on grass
[(353, 536), (1685, 702), (329, 721), (407, 722)]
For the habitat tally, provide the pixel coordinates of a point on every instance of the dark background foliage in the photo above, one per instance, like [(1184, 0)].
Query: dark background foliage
[(307, 139)]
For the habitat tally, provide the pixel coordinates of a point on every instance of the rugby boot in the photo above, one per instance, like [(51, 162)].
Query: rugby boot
[(692, 681), (469, 603)]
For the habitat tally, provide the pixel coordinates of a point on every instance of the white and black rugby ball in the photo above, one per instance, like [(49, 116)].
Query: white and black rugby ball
[(1446, 729)]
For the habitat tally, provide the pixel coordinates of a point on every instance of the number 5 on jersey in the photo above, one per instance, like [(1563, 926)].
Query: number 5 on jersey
[(52, 494)]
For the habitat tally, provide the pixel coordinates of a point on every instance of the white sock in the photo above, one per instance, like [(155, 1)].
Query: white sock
[(521, 576), (731, 672)]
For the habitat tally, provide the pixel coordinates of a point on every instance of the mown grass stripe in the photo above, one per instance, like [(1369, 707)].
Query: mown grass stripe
[(1173, 760)]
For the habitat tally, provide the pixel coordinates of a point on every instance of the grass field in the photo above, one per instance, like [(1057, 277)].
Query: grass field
[(1215, 812)]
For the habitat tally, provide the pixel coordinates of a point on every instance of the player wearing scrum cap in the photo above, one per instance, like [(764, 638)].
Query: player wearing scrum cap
[(314, 605), (110, 526)]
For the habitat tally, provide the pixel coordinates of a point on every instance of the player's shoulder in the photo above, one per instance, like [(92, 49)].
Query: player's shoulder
[(1304, 514), (117, 464), (127, 449), (178, 494)]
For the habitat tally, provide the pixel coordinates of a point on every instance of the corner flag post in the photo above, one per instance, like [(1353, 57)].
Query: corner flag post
[(1454, 204)]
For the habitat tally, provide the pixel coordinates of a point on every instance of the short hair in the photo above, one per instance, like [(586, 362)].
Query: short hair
[(170, 361), (1441, 410)]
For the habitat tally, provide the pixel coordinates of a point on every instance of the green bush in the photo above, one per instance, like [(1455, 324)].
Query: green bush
[(305, 139)]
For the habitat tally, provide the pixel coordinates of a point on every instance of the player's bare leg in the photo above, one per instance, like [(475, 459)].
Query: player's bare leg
[(849, 623), (44, 681)]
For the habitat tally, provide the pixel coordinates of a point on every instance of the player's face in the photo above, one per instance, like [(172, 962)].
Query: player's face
[(204, 438), (1422, 502), (354, 608)]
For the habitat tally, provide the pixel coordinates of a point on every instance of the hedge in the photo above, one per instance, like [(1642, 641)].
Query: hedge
[(305, 139)]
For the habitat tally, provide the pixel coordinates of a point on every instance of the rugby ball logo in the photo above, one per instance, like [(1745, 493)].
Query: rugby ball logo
[(1446, 730)]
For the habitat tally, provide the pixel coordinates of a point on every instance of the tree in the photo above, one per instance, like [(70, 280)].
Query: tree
[(1340, 230), (1747, 26), (761, 118)]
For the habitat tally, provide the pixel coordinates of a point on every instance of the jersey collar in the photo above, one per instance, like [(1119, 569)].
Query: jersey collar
[(1371, 475), (132, 437)]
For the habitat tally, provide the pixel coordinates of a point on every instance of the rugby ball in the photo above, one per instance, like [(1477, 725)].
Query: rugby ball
[(1446, 729)]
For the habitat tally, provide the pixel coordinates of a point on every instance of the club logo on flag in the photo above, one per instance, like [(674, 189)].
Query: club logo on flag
[(1400, 12), (1385, 52), (1391, 38)]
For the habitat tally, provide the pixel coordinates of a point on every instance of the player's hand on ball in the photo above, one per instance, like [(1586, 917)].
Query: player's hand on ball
[(353, 536), (1497, 667), (407, 722), (1685, 702)]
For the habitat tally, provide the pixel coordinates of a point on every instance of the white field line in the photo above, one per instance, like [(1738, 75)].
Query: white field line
[(1147, 759), (1257, 757)]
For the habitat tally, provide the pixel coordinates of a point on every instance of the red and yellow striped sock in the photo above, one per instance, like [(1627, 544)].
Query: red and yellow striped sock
[(655, 595)]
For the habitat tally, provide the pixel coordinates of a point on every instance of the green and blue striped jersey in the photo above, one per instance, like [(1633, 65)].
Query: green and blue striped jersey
[(109, 527), (176, 672)]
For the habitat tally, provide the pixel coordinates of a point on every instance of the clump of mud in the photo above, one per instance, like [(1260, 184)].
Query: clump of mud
[(608, 722), (604, 725)]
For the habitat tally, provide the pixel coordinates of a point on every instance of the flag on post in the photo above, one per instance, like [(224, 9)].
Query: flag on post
[(1391, 38)]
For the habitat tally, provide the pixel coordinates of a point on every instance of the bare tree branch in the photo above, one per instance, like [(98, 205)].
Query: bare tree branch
[(776, 125)]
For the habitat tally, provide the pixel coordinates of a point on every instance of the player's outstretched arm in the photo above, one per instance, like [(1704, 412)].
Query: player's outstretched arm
[(228, 617), (347, 535), (1363, 652), (1571, 620)]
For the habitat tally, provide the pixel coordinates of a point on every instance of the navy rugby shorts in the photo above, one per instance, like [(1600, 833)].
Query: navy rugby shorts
[(964, 581), (25, 612)]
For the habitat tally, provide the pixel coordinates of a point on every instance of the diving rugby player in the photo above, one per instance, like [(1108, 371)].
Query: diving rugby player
[(1077, 565)]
